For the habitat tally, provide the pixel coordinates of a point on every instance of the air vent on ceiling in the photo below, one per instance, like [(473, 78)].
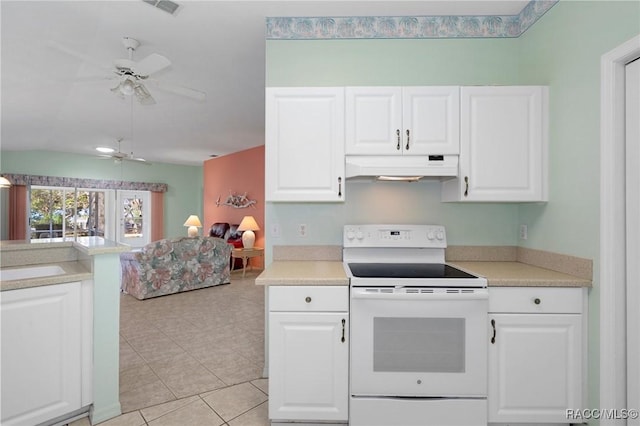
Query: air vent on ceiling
[(166, 5)]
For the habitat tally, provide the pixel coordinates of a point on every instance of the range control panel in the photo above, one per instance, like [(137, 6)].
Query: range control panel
[(425, 236)]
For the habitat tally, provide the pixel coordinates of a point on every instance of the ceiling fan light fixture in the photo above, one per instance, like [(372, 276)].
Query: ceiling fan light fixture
[(127, 87), (105, 149)]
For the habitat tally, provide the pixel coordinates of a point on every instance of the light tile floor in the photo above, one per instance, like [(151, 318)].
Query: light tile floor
[(193, 358)]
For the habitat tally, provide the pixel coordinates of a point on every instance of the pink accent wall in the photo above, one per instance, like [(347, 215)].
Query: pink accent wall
[(235, 173)]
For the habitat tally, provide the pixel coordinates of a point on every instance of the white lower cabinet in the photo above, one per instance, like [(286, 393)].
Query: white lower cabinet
[(536, 354), (45, 352), (308, 353)]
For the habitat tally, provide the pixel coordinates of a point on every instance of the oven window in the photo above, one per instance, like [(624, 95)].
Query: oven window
[(430, 345)]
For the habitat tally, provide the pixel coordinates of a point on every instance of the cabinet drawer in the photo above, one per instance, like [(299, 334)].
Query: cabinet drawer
[(309, 298), (542, 300)]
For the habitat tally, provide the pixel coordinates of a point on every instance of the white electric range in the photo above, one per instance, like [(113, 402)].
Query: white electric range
[(418, 330)]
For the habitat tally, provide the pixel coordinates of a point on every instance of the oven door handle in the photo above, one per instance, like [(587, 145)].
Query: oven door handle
[(420, 296)]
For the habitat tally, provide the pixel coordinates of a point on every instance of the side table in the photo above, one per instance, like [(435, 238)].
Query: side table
[(246, 254)]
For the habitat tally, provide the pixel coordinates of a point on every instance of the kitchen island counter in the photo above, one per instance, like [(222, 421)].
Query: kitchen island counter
[(73, 271)]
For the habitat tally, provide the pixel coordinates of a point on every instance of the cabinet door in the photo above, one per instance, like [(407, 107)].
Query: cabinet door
[(374, 120), (503, 145), (41, 353), (304, 144), (535, 367), (431, 120), (308, 366)]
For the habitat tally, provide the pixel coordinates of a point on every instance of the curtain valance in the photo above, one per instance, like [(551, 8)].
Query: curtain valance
[(20, 179)]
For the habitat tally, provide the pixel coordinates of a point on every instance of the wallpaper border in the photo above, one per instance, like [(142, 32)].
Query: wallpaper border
[(406, 27)]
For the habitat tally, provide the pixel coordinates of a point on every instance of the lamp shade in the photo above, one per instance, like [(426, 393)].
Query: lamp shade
[(4, 182), (248, 225), (193, 222)]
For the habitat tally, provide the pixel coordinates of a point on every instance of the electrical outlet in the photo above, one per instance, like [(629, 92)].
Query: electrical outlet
[(275, 230), (524, 232), (302, 230)]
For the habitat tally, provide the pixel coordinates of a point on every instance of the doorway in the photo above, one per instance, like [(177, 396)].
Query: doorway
[(134, 218), (620, 231), (632, 147)]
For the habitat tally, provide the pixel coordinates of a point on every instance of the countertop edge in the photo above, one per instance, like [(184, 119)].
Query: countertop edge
[(497, 282), (301, 282)]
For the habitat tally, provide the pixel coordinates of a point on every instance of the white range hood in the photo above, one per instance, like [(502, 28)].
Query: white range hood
[(401, 166)]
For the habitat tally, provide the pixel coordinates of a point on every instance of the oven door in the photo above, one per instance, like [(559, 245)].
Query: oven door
[(417, 342)]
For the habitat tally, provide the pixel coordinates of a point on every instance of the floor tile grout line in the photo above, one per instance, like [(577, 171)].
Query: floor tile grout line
[(233, 418)]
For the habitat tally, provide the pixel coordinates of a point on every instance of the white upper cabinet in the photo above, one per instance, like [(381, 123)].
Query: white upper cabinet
[(402, 120), (304, 144), (503, 145)]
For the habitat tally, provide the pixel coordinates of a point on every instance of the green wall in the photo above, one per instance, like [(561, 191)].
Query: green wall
[(562, 50), (183, 197)]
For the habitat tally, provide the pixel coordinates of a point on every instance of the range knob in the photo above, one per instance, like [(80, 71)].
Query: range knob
[(359, 235), (350, 234), (430, 235), (440, 235)]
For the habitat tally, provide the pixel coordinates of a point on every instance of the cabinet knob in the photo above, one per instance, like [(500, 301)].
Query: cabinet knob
[(537, 301), (398, 135), (307, 299)]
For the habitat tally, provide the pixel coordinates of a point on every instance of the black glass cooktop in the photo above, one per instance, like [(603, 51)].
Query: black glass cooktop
[(406, 270)]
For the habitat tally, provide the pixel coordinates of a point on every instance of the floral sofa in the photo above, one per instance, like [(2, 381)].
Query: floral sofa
[(173, 265)]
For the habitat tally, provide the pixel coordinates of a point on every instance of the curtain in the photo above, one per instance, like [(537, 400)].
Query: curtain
[(157, 215), (18, 212)]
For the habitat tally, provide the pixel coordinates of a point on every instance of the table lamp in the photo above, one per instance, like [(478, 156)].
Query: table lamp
[(248, 225), (193, 223)]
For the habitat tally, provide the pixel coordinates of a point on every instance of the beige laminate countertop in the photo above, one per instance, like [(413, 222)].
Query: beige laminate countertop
[(303, 272), (498, 274), (74, 271), (517, 274)]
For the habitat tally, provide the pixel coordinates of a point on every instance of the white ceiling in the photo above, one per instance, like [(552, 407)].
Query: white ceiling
[(54, 101)]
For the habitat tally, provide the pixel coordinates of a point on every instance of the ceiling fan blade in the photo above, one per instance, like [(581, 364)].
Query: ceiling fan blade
[(179, 90), (150, 65), (136, 160), (78, 55)]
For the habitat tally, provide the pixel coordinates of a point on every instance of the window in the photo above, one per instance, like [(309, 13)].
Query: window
[(56, 212)]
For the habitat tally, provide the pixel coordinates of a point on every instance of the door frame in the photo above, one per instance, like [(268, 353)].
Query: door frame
[(613, 382)]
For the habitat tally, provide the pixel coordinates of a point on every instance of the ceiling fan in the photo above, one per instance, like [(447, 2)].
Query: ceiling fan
[(133, 76), (119, 156)]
